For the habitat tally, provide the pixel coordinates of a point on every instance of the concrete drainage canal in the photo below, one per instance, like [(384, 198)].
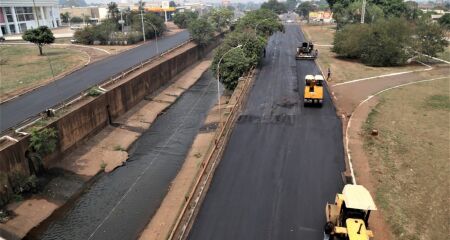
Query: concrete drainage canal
[(120, 204)]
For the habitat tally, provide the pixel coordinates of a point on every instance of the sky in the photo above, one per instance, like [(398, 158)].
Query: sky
[(233, 1)]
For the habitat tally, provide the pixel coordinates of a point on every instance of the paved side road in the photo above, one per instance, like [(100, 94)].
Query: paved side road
[(32, 103), (283, 161)]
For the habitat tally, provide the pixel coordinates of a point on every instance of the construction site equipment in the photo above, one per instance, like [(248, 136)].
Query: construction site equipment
[(348, 217), (306, 51), (313, 94)]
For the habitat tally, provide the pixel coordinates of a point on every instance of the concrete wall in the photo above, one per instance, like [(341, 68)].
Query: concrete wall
[(92, 116)]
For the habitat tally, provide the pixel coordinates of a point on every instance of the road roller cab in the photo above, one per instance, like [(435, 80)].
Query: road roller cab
[(348, 217), (313, 94)]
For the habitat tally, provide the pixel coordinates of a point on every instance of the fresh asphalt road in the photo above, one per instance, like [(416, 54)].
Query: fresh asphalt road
[(34, 102), (282, 162)]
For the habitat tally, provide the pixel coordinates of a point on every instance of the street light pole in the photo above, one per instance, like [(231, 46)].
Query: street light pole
[(363, 11), (142, 21), (218, 79), (156, 37)]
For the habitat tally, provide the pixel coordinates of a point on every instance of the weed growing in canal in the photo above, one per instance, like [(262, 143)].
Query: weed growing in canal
[(119, 148), (94, 92), (103, 166), (44, 141)]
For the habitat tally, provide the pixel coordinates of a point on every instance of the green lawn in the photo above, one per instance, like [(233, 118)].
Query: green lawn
[(22, 68)]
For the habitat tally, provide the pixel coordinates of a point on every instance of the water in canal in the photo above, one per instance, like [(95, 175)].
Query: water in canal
[(120, 204)]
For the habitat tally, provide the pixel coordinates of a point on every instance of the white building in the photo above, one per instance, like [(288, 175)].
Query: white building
[(17, 16)]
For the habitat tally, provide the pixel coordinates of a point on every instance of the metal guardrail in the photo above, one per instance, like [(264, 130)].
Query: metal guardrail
[(186, 216), (33, 119)]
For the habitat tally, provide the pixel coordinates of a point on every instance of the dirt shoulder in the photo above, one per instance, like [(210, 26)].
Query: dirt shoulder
[(105, 151)]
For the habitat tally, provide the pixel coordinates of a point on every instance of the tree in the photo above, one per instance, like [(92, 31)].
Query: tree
[(85, 35), (183, 19), (388, 43), (150, 20), (201, 31), (275, 6), (220, 18), (291, 4), (383, 43), (65, 17), (264, 21), (39, 36), (113, 10), (444, 21), (349, 41), (76, 20), (234, 65), (430, 38), (304, 8)]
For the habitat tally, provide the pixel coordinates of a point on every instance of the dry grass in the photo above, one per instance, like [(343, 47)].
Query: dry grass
[(410, 159), (446, 54), (342, 69), (23, 68)]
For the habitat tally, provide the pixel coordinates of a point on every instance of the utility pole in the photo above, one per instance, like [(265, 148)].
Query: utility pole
[(35, 12), (363, 11)]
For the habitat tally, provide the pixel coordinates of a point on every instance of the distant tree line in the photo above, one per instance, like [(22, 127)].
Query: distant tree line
[(109, 31)]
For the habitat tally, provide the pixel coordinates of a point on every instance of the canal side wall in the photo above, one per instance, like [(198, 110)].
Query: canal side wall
[(94, 114)]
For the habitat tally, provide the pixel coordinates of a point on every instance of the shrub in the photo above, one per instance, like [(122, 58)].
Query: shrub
[(349, 41), (383, 43), (44, 141), (85, 35), (94, 92), (22, 184)]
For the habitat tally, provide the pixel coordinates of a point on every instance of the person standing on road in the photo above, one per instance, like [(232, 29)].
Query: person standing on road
[(264, 51), (329, 74)]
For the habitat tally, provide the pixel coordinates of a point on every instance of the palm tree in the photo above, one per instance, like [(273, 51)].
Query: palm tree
[(113, 10), (141, 5)]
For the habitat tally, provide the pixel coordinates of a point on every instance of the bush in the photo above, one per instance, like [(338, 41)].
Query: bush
[(23, 184), (94, 92), (44, 141), (85, 35), (349, 41), (430, 38), (383, 43), (388, 43)]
